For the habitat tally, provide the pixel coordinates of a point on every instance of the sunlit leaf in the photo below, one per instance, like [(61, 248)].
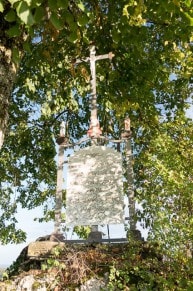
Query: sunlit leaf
[(56, 21), (1, 6), (82, 20), (24, 13), (81, 5), (73, 37), (13, 1)]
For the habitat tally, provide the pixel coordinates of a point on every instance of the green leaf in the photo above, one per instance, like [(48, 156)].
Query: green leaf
[(81, 6), (10, 16), (36, 3), (73, 37), (39, 14), (116, 35), (15, 56), (52, 4), (29, 2), (14, 31), (1, 6), (85, 39), (62, 4), (56, 21), (68, 17), (73, 26), (125, 10), (83, 20), (27, 47), (189, 17), (24, 13), (188, 3), (13, 2)]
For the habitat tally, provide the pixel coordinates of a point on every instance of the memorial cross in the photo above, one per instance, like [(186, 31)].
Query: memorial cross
[(94, 130)]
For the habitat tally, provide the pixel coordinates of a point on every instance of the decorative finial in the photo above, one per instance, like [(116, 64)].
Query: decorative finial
[(127, 124), (62, 139), (62, 129), (127, 130)]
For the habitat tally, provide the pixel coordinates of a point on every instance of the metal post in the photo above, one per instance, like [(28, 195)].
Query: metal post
[(136, 234), (130, 180), (93, 84), (58, 205), (94, 123), (59, 187)]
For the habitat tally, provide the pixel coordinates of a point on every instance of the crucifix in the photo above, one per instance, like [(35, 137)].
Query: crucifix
[(94, 131)]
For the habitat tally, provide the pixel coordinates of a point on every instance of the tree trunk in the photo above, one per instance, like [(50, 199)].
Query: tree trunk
[(7, 78)]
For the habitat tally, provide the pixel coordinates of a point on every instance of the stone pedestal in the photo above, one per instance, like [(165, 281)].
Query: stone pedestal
[(57, 237), (42, 248)]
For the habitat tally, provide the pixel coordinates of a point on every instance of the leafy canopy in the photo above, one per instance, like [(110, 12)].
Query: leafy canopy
[(149, 79)]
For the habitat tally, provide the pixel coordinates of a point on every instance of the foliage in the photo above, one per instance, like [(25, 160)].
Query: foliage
[(132, 266), (149, 79), (167, 160), (146, 271), (82, 231)]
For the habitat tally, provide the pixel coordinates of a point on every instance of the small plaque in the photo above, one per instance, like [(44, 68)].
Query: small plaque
[(41, 248), (95, 187)]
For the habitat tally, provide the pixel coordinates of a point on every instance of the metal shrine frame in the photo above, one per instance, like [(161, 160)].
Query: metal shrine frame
[(95, 136)]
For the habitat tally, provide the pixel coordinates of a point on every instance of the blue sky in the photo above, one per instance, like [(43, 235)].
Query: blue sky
[(9, 253)]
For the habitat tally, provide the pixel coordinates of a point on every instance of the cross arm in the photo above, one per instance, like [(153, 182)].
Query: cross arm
[(101, 57), (107, 56), (78, 61)]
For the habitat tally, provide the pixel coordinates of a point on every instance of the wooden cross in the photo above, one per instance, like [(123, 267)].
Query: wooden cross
[(94, 130)]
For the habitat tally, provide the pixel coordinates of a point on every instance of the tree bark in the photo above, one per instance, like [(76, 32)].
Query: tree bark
[(7, 77)]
